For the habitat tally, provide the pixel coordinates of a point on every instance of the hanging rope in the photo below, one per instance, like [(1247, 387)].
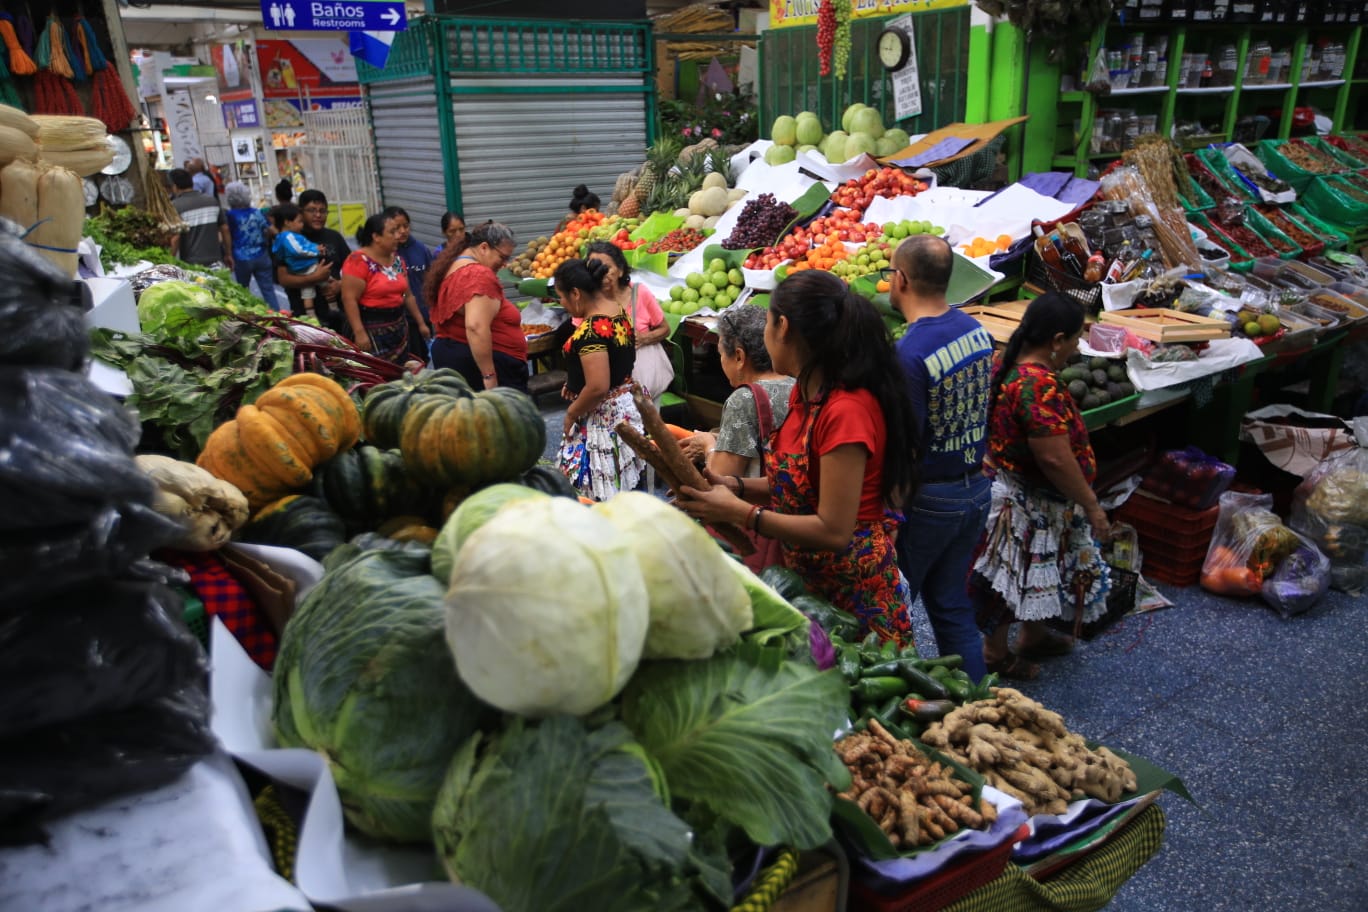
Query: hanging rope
[(54, 41), (20, 64), (90, 45), (80, 68), (8, 93), (27, 37)]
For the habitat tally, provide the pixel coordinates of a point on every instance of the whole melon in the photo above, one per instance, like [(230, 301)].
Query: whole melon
[(780, 155), (859, 144), (365, 678), (883, 147), (809, 131), (807, 148), (834, 147), (867, 121), (785, 130), (898, 136), (849, 115)]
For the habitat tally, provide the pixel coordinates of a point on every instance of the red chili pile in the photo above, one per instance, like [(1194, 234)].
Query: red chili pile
[(681, 240)]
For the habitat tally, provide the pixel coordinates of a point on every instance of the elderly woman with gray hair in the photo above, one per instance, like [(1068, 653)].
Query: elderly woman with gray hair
[(251, 248)]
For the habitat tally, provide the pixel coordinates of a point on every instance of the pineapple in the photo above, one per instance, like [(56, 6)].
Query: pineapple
[(660, 158), (693, 170), (629, 208), (668, 194)]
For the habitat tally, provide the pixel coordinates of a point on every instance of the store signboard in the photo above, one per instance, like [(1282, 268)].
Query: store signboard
[(334, 15), (907, 100), (240, 114), (284, 113), (790, 13)]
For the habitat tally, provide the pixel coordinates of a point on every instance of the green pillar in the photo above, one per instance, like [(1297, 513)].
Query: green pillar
[(1039, 81), (978, 90)]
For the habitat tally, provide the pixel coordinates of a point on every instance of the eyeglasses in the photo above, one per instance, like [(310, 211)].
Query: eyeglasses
[(315, 210), (886, 274)]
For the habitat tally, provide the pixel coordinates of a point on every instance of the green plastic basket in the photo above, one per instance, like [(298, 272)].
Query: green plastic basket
[(1219, 165), (1334, 237), (1344, 158), (1325, 197), (1192, 197), (1270, 153), (1100, 417), (1255, 221), (1240, 261), (196, 618)]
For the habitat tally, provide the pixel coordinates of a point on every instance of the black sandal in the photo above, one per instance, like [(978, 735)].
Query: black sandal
[(1013, 667)]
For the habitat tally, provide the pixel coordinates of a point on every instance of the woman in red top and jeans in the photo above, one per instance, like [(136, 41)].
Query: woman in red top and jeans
[(375, 293), (479, 332), (845, 453), (1040, 543)]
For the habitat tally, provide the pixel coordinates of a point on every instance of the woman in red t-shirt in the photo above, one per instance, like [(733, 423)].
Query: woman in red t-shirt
[(375, 293), (845, 453), (1044, 521), (479, 331)]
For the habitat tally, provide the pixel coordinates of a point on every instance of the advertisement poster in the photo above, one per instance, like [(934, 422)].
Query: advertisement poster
[(323, 65), (284, 113), (790, 13)]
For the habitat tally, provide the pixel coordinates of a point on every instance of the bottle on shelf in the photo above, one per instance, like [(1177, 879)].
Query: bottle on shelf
[(1096, 267)]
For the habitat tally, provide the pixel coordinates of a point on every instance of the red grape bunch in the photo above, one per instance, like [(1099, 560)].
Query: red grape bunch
[(826, 34)]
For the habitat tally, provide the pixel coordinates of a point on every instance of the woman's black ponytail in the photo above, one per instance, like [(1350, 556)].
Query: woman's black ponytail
[(1047, 316)]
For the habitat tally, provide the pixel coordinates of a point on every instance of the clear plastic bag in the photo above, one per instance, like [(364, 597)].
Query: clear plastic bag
[(42, 311), (1300, 581), (1240, 526), (97, 648), (1189, 478), (1331, 509)]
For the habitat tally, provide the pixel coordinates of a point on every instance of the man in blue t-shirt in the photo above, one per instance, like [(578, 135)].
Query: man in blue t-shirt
[(948, 358)]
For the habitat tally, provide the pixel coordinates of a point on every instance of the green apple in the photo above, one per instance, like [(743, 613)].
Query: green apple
[(707, 291), (695, 280), (690, 295), (705, 301), (734, 277), (677, 293), (717, 264)]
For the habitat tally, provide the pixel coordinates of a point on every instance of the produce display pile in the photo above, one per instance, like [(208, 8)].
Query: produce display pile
[(1025, 750), (915, 800)]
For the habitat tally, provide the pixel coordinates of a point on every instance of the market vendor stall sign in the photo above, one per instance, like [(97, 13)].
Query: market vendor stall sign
[(334, 15), (788, 13)]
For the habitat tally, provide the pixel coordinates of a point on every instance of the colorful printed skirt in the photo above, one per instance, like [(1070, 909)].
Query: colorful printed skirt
[(1036, 547), (597, 462), (388, 328)]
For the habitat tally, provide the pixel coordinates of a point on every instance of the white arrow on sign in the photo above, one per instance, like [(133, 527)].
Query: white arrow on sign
[(391, 16)]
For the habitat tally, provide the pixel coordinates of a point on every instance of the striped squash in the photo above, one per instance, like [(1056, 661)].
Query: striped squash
[(490, 436)]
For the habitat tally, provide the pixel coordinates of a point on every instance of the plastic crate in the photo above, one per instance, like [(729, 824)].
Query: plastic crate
[(1220, 166), (1326, 198), (1340, 155), (1099, 417), (1270, 153), (936, 891), (197, 620), (1167, 563), (1240, 261), (1154, 519), (1334, 238), (1043, 275), (1281, 218), (1265, 229)]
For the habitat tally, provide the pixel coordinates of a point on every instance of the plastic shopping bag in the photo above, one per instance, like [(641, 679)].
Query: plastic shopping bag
[(1300, 581), (1247, 546), (1331, 508)]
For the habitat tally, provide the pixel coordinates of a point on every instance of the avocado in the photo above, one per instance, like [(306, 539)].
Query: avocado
[(1116, 372), (1078, 389), (1127, 388), (1103, 397), (1114, 390), (1098, 363), (1089, 403), (1070, 374), (1099, 377)]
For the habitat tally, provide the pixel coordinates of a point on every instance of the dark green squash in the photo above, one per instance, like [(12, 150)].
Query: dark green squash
[(382, 414), (549, 480), (367, 485), (297, 521)]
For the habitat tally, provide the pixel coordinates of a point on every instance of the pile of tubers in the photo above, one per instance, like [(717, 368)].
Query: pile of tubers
[(1025, 750), (914, 800)]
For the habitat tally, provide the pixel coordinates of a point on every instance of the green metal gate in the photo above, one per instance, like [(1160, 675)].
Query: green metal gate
[(525, 111), (789, 82)]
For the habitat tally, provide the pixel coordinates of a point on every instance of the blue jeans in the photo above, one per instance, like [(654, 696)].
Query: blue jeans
[(260, 269), (935, 549)]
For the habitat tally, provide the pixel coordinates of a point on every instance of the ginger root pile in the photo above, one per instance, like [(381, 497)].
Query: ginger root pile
[(1025, 750), (914, 800)]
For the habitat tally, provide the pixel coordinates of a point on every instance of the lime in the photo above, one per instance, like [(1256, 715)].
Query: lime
[(690, 296), (717, 265), (707, 291), (734, 277), (694, 280), (718, 278), (704, 301), (677, 293)]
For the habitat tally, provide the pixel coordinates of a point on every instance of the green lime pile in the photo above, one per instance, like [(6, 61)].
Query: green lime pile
[(717, 288), (870, 258), (896, 231)]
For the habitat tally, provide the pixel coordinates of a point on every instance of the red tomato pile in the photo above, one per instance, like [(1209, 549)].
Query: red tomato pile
[(623, 240), (859, 192), (681, 240)]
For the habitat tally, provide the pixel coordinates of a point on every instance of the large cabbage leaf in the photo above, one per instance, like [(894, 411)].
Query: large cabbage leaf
[(174, 309), (474, 512), (550, 817), (747, 734), (364, 677)]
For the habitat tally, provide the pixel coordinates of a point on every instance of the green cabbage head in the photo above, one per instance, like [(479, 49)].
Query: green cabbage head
[(698, 604), (547, 611), (164, 308), (473, 513)]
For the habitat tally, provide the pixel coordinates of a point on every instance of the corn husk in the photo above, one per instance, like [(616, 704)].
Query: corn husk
[(19, 192), (64, 133), (15, 144), (61, 216), (16, 119), (84, 162)]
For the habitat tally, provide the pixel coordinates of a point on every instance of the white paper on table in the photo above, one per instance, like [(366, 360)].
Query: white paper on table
[(755, 151), (1220, 355), (193, 844), (850, 169), (658, 284), (763, 279), (1011, 815), (1018, 204)]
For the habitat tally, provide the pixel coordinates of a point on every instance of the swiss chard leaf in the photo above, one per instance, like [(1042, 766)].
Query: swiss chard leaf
[(747, 734), (527, 822)]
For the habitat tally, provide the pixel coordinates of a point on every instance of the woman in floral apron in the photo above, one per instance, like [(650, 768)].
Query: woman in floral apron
[(844, 453)]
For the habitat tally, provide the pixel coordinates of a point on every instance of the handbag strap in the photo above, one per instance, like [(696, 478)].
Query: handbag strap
[(763, 411)]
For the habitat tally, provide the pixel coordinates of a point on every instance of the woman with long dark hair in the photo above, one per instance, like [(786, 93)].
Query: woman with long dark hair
[(1044, 524), (845, 454), (649, 328), (599, 357), (478, 330), (376, 298)]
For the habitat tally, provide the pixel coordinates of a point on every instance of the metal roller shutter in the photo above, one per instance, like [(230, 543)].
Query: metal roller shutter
[(408, 152), (521, 155)]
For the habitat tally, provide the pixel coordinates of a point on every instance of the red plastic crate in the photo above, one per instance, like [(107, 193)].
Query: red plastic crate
[(946, 886), (1173, 564), (1168, 523)]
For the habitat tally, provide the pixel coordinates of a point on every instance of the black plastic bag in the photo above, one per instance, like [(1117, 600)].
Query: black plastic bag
[(75, 765), (98, 648), (37, 564), (65, 450), (42, 311)]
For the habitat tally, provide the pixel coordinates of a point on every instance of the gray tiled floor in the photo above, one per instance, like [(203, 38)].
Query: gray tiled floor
[(1264, 719)]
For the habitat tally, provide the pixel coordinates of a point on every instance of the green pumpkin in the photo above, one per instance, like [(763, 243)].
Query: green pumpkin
[(549, 480), (382, 414), (297, 521), (367, 485), (492, 436)]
